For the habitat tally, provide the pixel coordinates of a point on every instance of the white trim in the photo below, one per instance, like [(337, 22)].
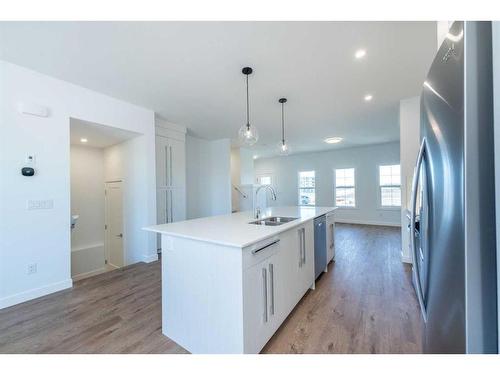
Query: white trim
[(150, 258), (379, 188), (35, 293), (345, 187), (167, 125), (406, 259), (366, 222)]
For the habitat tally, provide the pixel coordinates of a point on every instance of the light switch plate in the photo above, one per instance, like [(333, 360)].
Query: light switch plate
[(47, 204)]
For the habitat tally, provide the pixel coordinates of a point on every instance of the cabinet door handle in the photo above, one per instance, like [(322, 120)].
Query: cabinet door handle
[(170, 166), (303, 245), (332, 235), (166, 207), (171, 208), (166, 166), (264, 293), (271, 285), (300, 247)]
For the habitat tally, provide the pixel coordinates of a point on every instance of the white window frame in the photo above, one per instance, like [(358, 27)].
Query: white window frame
[(270, 175), (379, 187), (299, 188), (353, 186)]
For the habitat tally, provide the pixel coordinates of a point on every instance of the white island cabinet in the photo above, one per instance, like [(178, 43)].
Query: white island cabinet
[(227, 285)]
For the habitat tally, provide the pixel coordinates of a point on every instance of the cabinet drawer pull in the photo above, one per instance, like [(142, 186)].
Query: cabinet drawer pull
[(265, 247)]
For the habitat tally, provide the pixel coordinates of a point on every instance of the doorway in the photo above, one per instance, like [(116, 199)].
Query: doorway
[(113, 227), (100, 169)]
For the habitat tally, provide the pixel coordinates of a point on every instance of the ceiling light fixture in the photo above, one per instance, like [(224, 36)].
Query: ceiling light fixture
[(333, 140), (248, 135), (360, 53), (368, 97), (283, 147), (83, 140)]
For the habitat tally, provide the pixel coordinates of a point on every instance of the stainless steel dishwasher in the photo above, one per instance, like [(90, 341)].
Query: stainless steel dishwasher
[(320, 250)]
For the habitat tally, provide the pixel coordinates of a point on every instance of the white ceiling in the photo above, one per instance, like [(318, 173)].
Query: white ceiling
[(190, 72), (97, 135)]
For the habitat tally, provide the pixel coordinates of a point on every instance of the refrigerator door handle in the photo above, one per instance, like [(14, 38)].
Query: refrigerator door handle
[(413, 224)]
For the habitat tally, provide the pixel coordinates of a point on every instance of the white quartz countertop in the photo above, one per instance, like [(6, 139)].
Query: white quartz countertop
[(234, 229)]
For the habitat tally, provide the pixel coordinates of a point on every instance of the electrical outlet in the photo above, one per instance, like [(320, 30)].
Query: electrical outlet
[(31, 269)]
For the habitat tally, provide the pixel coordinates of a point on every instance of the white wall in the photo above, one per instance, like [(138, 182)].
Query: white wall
[(87, 196), (364, 159), (409, 128), (87, 201), (42, 237), (242, 173), (235, 178), (208, 175)]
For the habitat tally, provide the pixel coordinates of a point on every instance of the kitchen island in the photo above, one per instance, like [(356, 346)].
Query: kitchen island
[(228, 284)]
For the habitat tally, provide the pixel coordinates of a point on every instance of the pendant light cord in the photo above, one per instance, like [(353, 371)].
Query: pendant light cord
[(248, 108), (283, 123)]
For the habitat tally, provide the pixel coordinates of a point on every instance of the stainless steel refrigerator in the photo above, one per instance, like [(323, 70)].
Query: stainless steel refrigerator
[(453, 197)]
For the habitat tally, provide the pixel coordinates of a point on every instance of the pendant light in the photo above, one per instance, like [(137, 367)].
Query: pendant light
[(283, 147), (248, 135)]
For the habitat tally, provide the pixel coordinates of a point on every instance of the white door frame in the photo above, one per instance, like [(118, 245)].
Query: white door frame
[(106, 232)]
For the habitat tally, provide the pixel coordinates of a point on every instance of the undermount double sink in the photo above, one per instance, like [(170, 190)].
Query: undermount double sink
[(273, 221)]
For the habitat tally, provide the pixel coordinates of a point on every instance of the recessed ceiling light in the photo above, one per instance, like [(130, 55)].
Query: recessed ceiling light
[(360, 53), (368, 97), (333, 140), (83, 140), (255, 157)]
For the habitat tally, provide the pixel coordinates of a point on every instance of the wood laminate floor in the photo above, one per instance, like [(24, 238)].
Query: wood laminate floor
[(364, 304)]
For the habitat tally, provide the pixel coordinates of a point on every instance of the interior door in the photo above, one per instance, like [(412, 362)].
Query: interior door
[(176, 163), (114, 224), (162, 161), (176, 204)]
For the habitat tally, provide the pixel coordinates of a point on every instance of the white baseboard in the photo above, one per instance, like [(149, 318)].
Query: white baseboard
[(150, 258), (88, 274), (35, 293), (367, 222)]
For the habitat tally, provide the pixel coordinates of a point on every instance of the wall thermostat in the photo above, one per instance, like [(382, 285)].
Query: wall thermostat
[(28, 171)]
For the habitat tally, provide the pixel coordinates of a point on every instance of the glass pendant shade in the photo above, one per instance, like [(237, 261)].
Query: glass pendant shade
[(283, 149), (248, 135)]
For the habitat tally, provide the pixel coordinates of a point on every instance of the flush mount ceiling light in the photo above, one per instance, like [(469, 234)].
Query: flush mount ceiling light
[(248, 135), (360, 53), (283, 147), (368, 97), (83, 140), (333, 140)]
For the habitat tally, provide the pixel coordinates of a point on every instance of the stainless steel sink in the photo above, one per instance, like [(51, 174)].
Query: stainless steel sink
[(273, 221)]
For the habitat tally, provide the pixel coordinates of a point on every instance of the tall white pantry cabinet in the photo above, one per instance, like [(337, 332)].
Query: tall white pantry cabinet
[(170, 173)]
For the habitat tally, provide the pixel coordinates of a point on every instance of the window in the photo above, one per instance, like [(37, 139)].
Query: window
[(345, 190), (307, 192), (265, 179), (390, 185)]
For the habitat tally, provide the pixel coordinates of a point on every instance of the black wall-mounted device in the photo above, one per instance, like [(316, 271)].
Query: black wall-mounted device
[(28, 171)]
